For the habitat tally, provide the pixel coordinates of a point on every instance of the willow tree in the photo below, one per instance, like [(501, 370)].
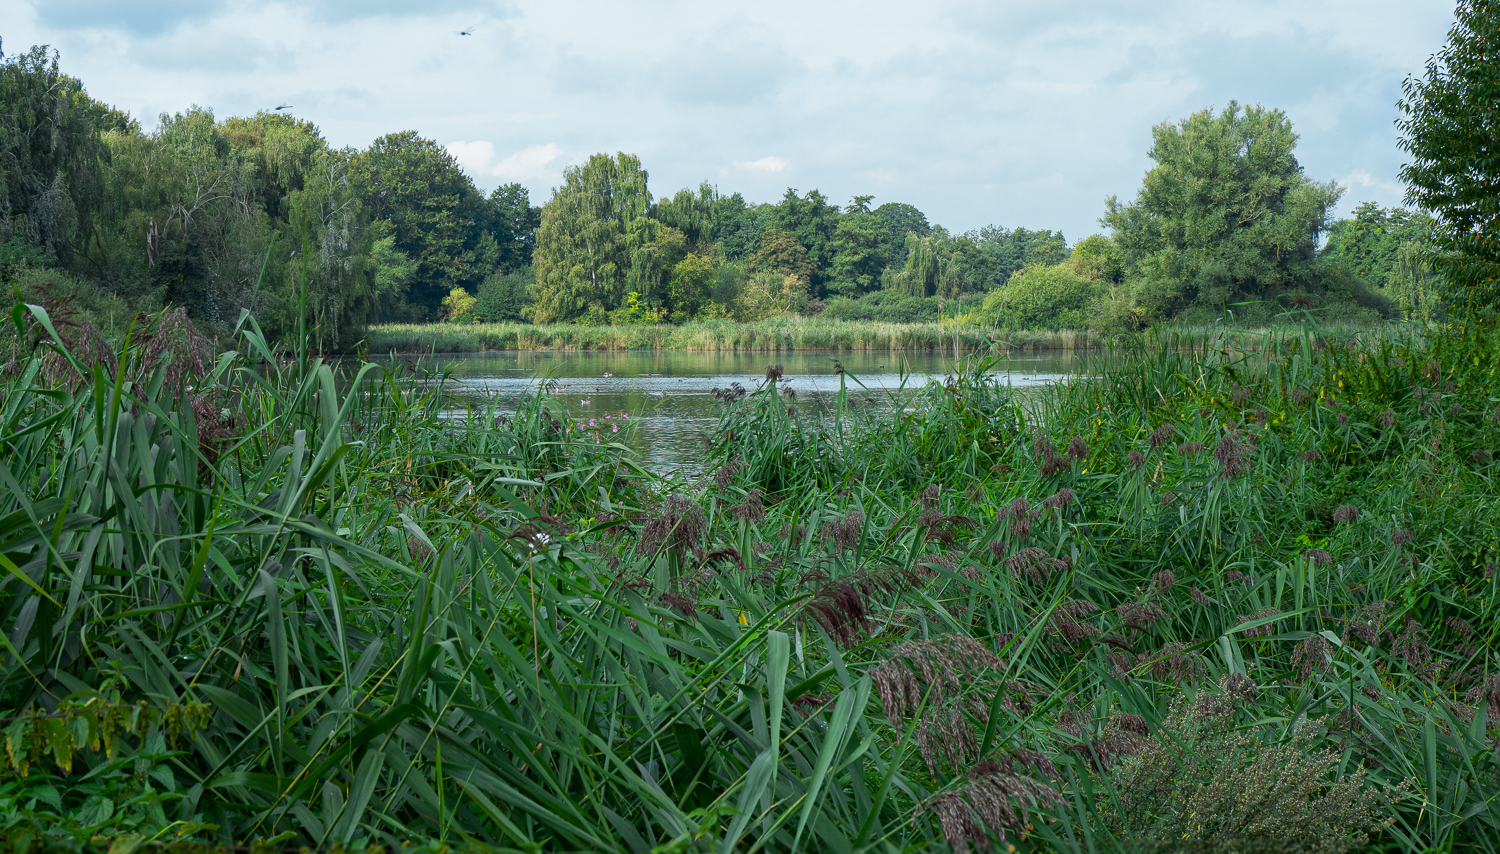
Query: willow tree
[(1225, 214), (920, 277), (582, 258)]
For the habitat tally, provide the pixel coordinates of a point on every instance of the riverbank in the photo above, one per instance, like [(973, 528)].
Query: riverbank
[(787, 334), (768, 336)]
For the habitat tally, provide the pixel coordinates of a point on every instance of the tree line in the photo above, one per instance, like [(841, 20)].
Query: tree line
[(263, 214)]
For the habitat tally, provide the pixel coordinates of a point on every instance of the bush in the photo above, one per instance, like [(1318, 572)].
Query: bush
[(458, 306), (891, 306), (1207, 785), (1042, 296), (502, 296)]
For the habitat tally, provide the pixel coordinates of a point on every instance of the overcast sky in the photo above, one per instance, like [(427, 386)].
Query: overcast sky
[(1011, 113)]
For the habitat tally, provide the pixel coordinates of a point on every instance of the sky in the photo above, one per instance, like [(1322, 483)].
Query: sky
[(1008, 113)]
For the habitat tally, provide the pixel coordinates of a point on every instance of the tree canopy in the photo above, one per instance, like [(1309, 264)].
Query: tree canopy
[(1225, 214), (1450, 127), (259, 213)]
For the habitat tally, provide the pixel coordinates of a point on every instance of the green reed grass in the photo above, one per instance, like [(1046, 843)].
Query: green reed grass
[(786, 334), (274, 600)]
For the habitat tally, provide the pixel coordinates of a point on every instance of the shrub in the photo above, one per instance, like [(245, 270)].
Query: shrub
[(1041, 296), (1208, 786), (458, 306)]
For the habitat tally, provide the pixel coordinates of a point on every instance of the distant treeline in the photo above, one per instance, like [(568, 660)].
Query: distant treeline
[(261, 213)]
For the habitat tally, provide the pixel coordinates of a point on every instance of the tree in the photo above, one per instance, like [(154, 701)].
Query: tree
[(861, 250), (691, 286), (813, 222), (503, 296), (282, 151), (1369, 243), (512, 222), (52, 156), (582, 254), (1450, 127), (781, 252), (737, 225), (900, 220), (333, 284), (654, 250), (690, 213), (1095, 258), (1010, 250), (770, 294), (1225, 215), (434, 209), (920, 277)]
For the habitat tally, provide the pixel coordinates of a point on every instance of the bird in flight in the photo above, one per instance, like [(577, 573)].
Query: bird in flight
[(283, 107), (467, 31)]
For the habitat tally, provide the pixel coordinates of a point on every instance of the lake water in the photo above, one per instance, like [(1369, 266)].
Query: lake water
[(669, 394)]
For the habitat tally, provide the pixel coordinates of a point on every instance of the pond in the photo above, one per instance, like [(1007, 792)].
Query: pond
[(669, 393)]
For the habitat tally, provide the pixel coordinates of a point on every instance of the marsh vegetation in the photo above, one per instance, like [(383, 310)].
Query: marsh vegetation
[(250, 598)]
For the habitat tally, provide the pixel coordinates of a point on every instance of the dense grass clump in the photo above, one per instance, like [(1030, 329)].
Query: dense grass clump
[(266, 600)]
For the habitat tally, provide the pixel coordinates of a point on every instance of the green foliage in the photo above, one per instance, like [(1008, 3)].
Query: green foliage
[(770, 294), (1225, 215), (1042, 297), (434, 210), (636, 312), (780, 252), (583, 257), (512, 222), (692, 286), (51, 186), (1007, 251), (1388, 249), (503, 296), (900, 220), (1448, 129), (861, 250), (813, 224), (920, 276), (458, 307), (896, 306), (1096, 258)]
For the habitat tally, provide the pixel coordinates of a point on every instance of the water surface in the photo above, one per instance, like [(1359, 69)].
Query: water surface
[(669, 393)]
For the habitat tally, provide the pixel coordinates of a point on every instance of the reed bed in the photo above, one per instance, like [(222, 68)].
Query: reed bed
[(1201, 599), (800, 333), (769, 336)]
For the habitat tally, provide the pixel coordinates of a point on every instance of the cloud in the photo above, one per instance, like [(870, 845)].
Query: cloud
[(765, 164), (532, 163), (134, 17), (1364, 181)]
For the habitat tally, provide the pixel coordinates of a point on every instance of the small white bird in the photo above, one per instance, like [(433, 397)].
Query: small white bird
[(583, 401), (607, 374)]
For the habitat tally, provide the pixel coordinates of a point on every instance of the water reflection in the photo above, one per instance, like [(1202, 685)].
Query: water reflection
[(669, 394)]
